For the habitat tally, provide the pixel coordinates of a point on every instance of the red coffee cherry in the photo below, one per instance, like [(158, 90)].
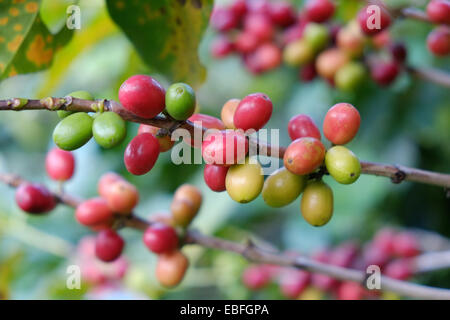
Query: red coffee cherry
[(239, 8), (368, 20), (384, 73), (301, 126), (225, 148), (108, 245), (308, 72), (60, 164), (304, 155), (143, 96), (293, 33), (344, 255), (374, 255), (106, 181), (221, 47), (141, 154), (319, 10), (321, 281), (341, 123), (259, 25), (398, 52), (171, 267), (438, 11), (223, 19), (399, 269), (206, 121), (255, 277), (94, 212), (294, 282), (215, 177), (282, 13), (384, 240), (253, 112), (382, 39), (266, 57), (405, 245), (160, 238), (165, 142), (122, 197), (34, 198), (246, 42), (438, 41), (350, 291)]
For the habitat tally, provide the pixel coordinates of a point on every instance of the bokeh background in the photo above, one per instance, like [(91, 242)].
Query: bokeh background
[(407, 123)]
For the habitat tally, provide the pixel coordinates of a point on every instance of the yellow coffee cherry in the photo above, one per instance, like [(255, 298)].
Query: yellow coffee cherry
[(244, 182), (342, 164), (317, 203), (282, 187)]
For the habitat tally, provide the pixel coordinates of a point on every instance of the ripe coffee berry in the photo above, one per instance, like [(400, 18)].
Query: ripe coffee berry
[(106, 181), (239, 8), (350, 291), (160, 238), (438, 11), (180, 101), (224, 147), (282, 13), (308, 72), (206, 121), (143, 96), (319, 10), (246, 42), (400, 269), (294, 282), (341, 123), (266, 57), (253, 112), (109, 129), (122, 197), (215, 177), (94, 213), (317, 203), (438, 41), (165, 142), (108, 245), (141, 154), (34, 198), (384, 73), (405, 245), (60, 164), (224, 19), (73, 131), (304, 155), (221, 47), (255, 277), (227, 113), (301, 126), (366, 20), (171, 267), (259, 25), (398, 52)]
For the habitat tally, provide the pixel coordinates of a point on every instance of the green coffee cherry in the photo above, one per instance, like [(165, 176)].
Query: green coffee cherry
[(316, 35), (76, 94), (317, 203), (109, 129), (342, 164), (180, 101), (73, 131), (244, 182), (348, 77), (282, 187)]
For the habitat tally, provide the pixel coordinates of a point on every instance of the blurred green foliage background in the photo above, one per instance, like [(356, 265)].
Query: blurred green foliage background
[(407, 123)]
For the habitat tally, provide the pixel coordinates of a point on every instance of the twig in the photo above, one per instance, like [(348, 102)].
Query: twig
[(414, 13)]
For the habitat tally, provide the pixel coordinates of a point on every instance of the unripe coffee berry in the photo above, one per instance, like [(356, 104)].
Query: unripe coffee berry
[(297, 53), (109, 129), (366, 20), (342, 164), (227, 113), (215, 177), (189, 192), (180, 101), (183, 212), (160, 238), (60, 164), (302, 125), (141, 154), (165, 142), (341, 123), (76, 94), (304, 155), (350, 76), (244, 182), (73, 131), (317, 203), (143, 96), (106, 181), (224, 147), (253, 112), (94, 212), (34, 198), (122, 197), (316, 35), (319, 10), (330, 61), (282, 187), (171, 267), (108, 245), (438, 11)]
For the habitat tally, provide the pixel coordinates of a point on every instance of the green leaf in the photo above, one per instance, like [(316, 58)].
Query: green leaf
[(26, 44), (166, 33)]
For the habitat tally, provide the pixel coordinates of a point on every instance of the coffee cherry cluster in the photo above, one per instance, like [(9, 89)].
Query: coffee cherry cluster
[(306, 159), (267, 33), (390, 250)]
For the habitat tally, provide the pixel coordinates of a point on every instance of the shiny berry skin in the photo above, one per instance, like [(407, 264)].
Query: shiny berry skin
[(109, 129), (259, 25), (319, 10), (265, 58), (302, 126), (341, 123), (316, 204), (221, 47), (60, 164), (367, 20), (143, 96), (106, 181), (34, 198), (189, 192), (308, 72), (438, 11), (165, 142), (206, 121), (122, 197), (215, 177), (227, 113), (282, 13), (180, 101), (384, 73), (94, 212), (141, 154), (183, 212), (405, 245), (253, 112), (224, 19), (294, 282), (398, 52), (400, 269), (304, 155), (108, 245), (224, 148), (73, 131), (171, 267), (438, 41), (160, 238), (255, 277), (350, 291), (246, 42)]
